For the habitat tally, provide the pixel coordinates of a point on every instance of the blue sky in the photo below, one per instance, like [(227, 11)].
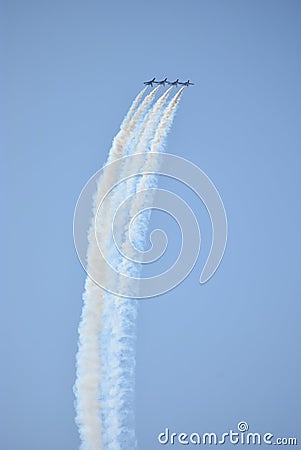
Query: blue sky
[(207, 356)]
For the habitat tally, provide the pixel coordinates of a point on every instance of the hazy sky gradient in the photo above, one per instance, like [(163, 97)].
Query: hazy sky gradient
[(207, 356)]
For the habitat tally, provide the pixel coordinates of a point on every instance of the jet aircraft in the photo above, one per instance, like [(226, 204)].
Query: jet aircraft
[(150, 82), (162, 82), (174, 83), (187, 83), (170, 83)]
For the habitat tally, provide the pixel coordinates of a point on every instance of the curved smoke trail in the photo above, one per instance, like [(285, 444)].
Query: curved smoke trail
[(120, 146), (104, 386), (87, 388), (142, 145), (120, 313), (133, 108), (140, 224)]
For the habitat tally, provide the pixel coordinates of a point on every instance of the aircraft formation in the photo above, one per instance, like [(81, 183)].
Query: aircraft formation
[(165, 81)]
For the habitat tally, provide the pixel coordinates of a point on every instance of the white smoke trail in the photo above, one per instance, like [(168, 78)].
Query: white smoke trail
[(146, 182), (120, 146), (119, 371), (100, 223), (150, 124), (122, 139), (142, 143), (133, 108), (106, 355), (119, 324), (86, 389), (89, 372), (166, 122)]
